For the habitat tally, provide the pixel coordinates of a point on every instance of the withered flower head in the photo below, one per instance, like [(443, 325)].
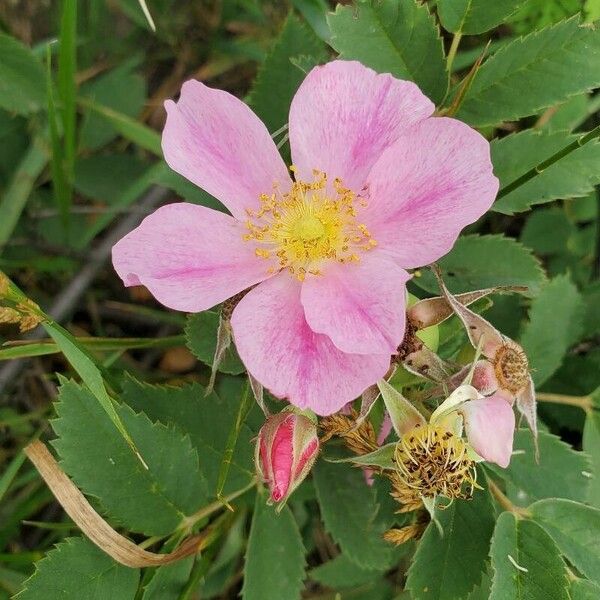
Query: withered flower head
[(359, 438), (431, 460)]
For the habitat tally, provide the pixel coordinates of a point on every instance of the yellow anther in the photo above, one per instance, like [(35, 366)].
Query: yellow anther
[(307, 225)]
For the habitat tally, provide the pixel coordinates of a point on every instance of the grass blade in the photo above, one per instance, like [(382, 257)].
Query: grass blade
[(60, 186), (67, 86), (46, 347), (90, 374), (18, 190), (129, 128)]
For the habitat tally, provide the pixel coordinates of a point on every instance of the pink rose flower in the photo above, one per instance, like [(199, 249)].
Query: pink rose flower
[(380, 186)]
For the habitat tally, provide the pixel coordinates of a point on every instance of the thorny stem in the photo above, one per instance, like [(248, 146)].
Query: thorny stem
[(583, 402), (580, 141), (504, 502)]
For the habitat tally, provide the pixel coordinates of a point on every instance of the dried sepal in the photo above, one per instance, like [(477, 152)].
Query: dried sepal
[(399, 536), (358, 436), (433, 311)]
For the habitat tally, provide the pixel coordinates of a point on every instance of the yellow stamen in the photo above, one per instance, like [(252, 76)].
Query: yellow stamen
[(313, 222)]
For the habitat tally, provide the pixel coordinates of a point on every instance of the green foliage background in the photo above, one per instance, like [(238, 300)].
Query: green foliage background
[(81, 88)]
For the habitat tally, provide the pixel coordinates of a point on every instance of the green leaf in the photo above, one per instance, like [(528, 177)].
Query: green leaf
[(314, 11), (341, 572), (481, 261), (121, 90), (584, 590), (534, 72), (561, 472), (350, 513), (482, 591), (22, 78), (570, 114), (206, 419), (393, 36), (82, 362), (277, 79), (166, 177), (559, 303), (169, 581), (534, 234), (475, 16), (152, 501), (526, 562), (591, 445), (572, 176), (450, 566), (77, 569), (274, 567), (91, 175), (576, 530), (201, 334)]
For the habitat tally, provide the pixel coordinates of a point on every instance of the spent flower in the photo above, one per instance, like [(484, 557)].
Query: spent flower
[(504, 369)]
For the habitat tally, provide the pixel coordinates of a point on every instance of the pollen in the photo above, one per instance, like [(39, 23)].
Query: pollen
[(511, 368), (312, 223), (431, 460)]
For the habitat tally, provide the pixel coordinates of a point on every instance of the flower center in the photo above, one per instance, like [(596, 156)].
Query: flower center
[(313, 222), (511, 368), (432, 460)]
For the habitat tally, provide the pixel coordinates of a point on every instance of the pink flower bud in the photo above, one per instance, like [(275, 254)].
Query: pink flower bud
[(286, 449)]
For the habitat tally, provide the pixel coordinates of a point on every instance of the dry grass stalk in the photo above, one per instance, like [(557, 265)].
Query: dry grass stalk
[(93, 525)]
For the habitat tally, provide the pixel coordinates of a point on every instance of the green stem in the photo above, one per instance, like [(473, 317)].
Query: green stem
[(206, 511), (578, 143), (244, 409), (453, 49), (583, 402), (205, 560), (504, 502)]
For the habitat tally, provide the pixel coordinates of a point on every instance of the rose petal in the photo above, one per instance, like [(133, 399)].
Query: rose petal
[(189, 257), (282, 458), (281, 351), (426, 188), (484, 378), (344, 115), (360, 306), (490, 425), (213, 139)]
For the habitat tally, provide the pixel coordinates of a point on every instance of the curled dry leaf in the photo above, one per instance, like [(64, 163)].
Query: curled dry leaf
[(93, 525)]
